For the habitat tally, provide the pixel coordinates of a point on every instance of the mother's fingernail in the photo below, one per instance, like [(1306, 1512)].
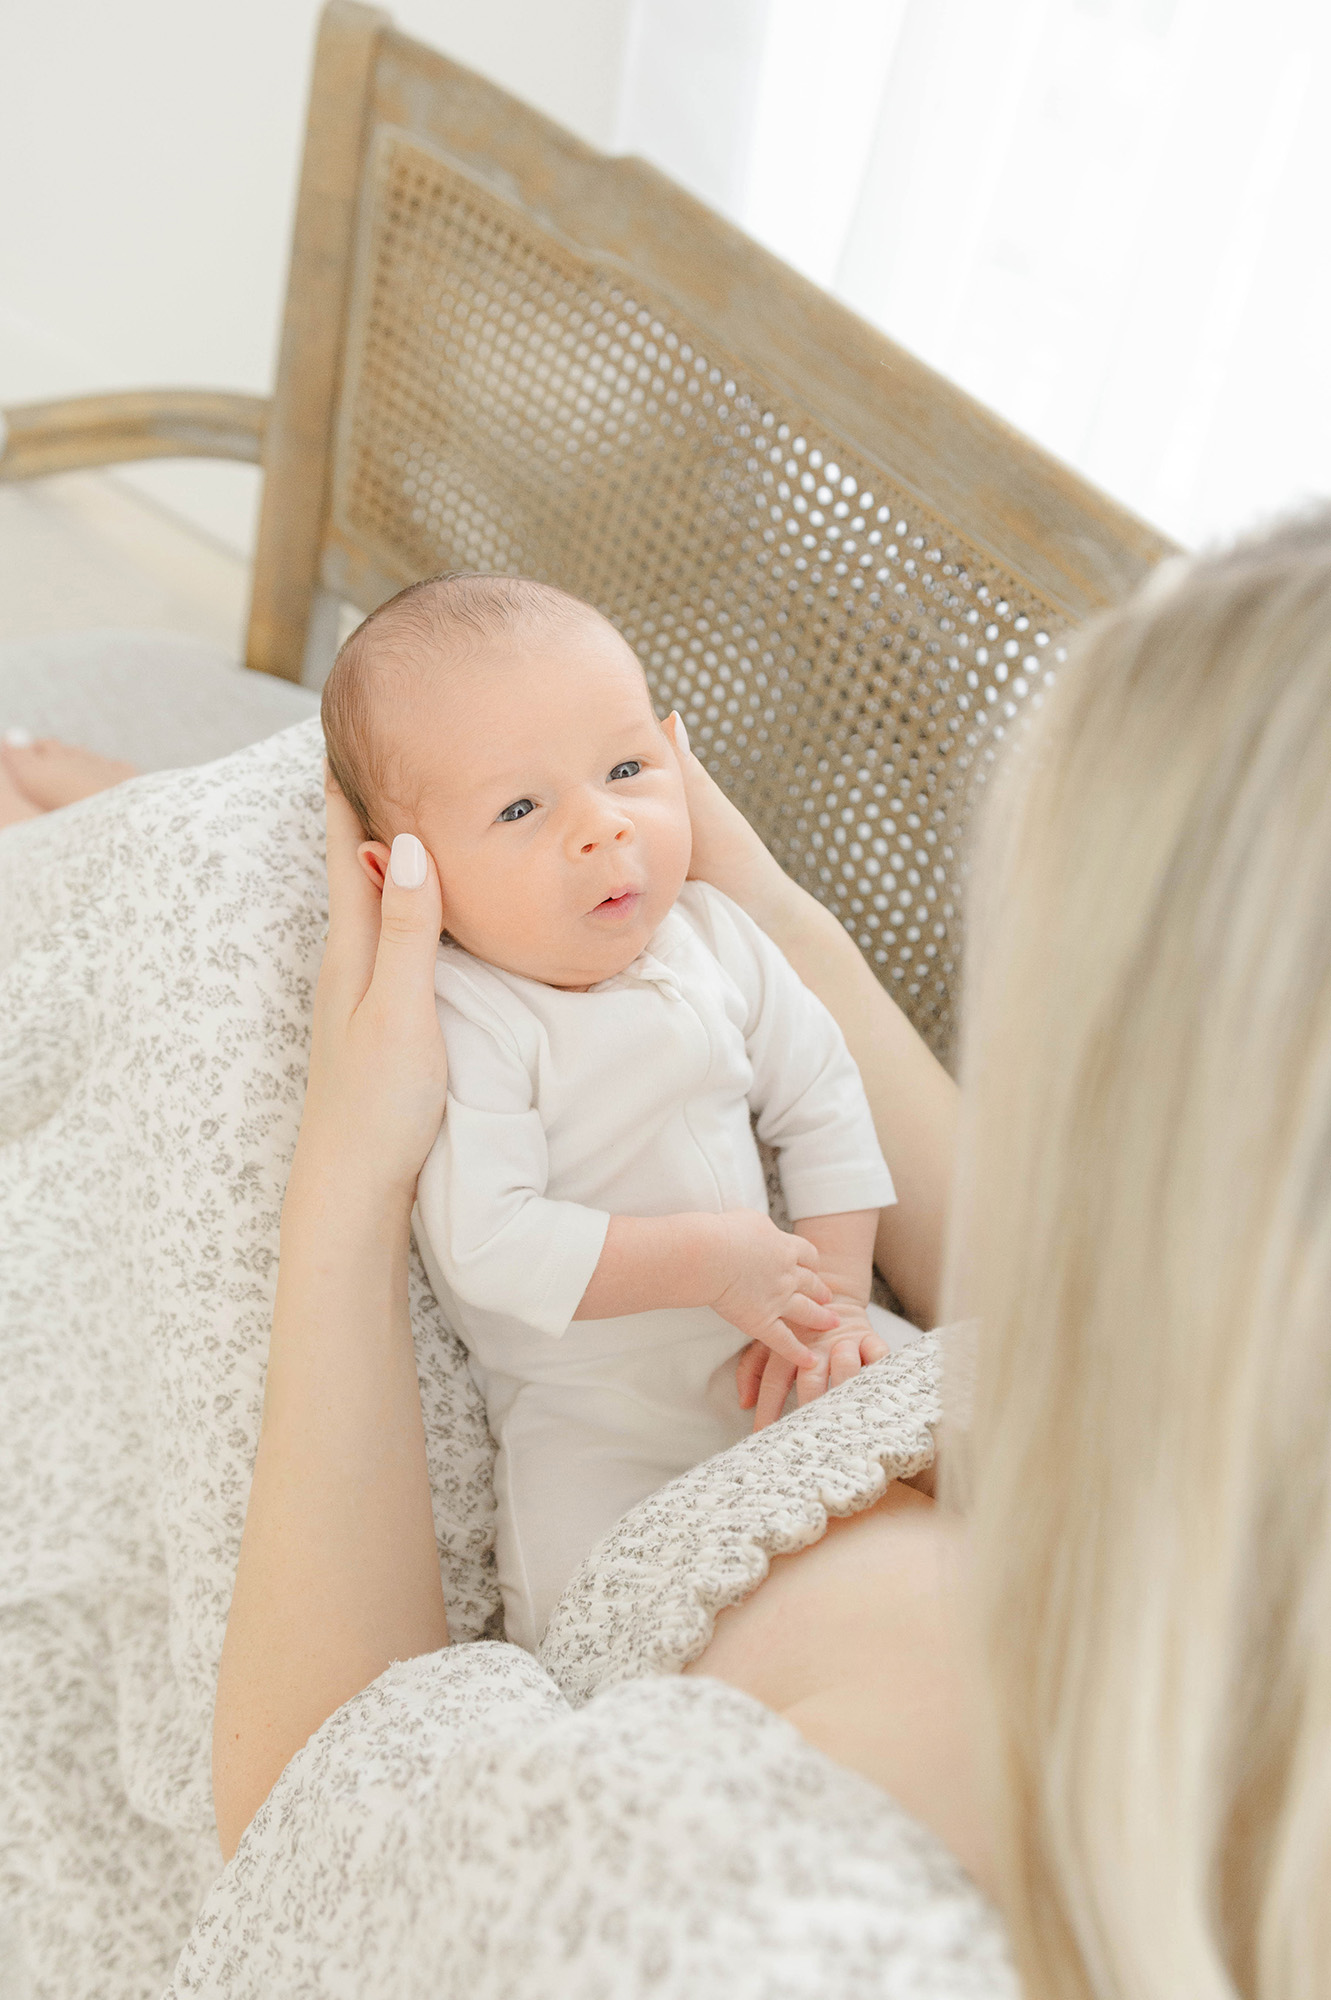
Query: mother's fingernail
[(406, 861), (681, 733), (18, 739)]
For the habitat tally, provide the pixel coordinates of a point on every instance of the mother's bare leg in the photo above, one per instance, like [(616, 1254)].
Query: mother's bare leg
[(49, 773), (14, 806)]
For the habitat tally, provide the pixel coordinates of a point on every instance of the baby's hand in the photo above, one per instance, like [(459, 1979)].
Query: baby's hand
[(771, 1288), (764, 1378)]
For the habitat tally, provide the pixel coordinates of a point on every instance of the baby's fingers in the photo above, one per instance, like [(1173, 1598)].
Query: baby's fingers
[(814, 1382), (806, 1313), (749, 1373), (873, 1348), (788, 1345), (806, 1256), (843, 1361), (777, 1376)]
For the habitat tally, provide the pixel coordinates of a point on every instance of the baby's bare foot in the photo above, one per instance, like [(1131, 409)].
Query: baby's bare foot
[(49, 773)]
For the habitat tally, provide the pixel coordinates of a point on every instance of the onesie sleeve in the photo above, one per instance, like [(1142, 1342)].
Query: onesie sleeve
[(807, 1095), (499, 1244)]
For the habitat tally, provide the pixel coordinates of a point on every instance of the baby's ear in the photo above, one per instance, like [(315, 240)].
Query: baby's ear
[(373, 858)]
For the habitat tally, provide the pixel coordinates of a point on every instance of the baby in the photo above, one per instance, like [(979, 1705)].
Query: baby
[(593, 1215)]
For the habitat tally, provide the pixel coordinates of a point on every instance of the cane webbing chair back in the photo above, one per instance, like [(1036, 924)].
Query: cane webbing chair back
[(504, 351), (848, 578)]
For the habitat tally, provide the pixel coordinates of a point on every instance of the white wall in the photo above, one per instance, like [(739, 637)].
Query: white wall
[(148, 159), (1106, 218)]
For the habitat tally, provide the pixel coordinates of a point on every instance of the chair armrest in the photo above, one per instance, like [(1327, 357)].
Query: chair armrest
[(39, 438)]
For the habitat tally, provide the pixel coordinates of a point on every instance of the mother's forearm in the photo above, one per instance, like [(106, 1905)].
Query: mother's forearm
[(338, 1573), (911, 1095)]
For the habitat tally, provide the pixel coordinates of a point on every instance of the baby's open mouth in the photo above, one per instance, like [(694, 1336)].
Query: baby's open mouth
[(619, 905)]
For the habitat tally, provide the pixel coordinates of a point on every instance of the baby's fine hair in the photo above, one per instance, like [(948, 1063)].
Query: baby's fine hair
[(412, 638)]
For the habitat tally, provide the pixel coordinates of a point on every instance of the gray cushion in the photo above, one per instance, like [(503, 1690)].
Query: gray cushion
[(159, 699)]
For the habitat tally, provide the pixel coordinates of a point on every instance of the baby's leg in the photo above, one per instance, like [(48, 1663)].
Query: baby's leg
[(573, 1459)]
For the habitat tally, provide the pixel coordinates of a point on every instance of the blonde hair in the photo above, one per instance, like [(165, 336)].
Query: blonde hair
[(1143, 1232)]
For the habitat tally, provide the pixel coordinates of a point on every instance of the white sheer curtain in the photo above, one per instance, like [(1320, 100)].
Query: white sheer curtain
[(1108, 219)]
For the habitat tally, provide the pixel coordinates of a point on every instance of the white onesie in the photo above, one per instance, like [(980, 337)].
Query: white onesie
[(633, 1098)]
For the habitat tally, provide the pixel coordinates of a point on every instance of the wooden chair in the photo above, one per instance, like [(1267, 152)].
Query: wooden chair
[(504, 351)]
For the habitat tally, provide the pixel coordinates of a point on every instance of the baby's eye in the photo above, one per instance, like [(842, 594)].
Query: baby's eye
[(518, 810), (629, 769)]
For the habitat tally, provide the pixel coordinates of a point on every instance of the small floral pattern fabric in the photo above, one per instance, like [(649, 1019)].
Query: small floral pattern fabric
[(476, 1823), (458, 1832), (158, 950), (483, 1825)]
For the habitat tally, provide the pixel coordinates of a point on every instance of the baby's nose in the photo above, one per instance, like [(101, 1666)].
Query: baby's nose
[(605, 824), (608, 838)]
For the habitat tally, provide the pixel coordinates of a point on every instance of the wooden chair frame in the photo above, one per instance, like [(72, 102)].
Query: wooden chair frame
[(868, 701), (1079, 548)]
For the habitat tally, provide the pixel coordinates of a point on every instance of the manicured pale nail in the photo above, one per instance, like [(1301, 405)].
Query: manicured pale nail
[(681, 733), (18, 739), (406, 862)]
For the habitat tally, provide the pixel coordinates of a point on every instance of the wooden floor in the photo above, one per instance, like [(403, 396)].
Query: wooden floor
[(85, 550)]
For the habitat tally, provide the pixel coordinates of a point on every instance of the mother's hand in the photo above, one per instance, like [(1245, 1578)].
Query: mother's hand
[(726, 850), (378, 1069)]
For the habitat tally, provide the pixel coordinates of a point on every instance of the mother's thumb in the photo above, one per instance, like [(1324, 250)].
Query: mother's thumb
[(407, 863), (409, 914)]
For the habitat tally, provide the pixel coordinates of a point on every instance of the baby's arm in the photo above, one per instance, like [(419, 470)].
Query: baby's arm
[(500, 1244), (760, 1278), (811, 1107)]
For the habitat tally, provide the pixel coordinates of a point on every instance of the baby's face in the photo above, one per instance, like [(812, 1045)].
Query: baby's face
[(552, 804)]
